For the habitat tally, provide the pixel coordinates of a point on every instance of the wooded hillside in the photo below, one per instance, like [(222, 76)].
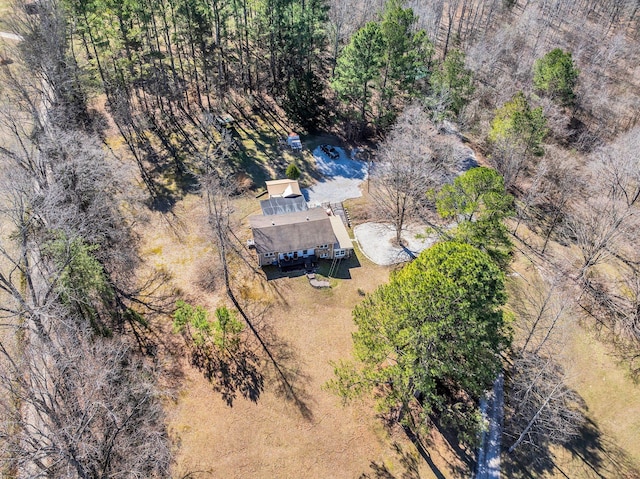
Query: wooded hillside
[(118, 116)]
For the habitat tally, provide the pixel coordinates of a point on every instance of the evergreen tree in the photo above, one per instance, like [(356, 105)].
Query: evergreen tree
[(407, 56), (453, 82), (304, 100), (515, 122), (83, 285), (294, 34), (358, 68), (556, 75), (434, 332), (223, 334), (387, 55), (477, 200), (292, 172)]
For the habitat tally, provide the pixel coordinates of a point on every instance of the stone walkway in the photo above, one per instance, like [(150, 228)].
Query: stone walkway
[(316, 283)]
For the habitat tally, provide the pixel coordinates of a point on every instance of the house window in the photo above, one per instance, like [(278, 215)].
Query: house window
[(324, 255), (322, 246), (268, 255), (339, 252)]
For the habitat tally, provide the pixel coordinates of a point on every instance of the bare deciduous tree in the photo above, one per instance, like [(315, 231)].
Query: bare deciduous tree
[(602, 220), (406, 168), (540, 409), (345, 17), (510, 159), (543, 308), (596, 226), (51, 68), (546, 191), (78, 400), (617, 166), (76, 407), (604, 226)]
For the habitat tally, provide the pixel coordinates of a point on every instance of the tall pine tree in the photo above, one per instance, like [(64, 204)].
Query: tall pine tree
[(431, 338), (358, 69)]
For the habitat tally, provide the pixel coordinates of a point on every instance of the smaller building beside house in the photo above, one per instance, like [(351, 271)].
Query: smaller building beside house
[(283, 188), (293, 141), (284, 197), (288, 233)]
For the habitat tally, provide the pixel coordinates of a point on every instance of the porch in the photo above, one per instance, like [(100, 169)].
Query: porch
[(288, 263)]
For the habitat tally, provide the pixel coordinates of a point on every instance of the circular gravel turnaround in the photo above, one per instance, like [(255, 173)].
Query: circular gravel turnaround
[(375, 240), (342, 178)]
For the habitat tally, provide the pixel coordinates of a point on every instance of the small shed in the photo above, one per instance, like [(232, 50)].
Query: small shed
[(294, 141), (283, 188)]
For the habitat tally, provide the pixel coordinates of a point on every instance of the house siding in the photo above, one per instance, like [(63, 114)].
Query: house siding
[(267, 259), (279, 238), (330, 251)]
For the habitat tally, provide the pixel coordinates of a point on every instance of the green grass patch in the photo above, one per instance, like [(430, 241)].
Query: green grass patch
[(6, 8)]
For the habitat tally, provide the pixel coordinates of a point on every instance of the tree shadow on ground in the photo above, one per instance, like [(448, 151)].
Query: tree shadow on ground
[(280, 363), (594, 456), (147, 304), (230, 374), (256, 137), (408, 461), (245, 161), (600, 456), (269, 358), (167, 349), (520, 465), (464, 453), (422, 445), (154, 169), (162, 202), (283, 367), (378, 471), (408, 252)]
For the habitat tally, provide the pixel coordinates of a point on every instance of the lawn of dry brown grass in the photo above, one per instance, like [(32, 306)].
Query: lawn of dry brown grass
[(264, 432), (6, 8), (267, 433), (609, 446)]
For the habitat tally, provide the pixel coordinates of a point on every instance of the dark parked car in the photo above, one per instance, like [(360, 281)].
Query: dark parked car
[(330, 151)]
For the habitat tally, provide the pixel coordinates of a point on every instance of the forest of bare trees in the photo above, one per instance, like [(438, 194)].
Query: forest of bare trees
[(79, 397)]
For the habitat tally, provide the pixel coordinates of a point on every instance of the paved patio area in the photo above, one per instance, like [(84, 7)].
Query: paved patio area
[(375, 240)]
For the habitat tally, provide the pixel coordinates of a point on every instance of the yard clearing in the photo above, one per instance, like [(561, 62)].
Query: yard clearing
[(269, 435), (613, 404), (375, 240)]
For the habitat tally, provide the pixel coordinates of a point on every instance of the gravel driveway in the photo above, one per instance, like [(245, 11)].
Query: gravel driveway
[(342, 178)]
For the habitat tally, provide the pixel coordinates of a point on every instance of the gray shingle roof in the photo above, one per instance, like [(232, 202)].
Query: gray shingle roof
[(292, 231)]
